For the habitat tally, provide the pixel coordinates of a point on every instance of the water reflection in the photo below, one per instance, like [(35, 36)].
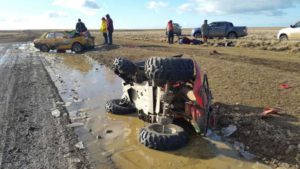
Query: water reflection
[(76, 62)]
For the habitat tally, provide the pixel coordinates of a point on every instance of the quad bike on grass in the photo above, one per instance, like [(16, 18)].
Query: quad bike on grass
[(161, 90)]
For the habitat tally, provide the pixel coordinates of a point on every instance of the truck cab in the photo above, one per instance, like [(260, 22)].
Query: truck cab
[(222, 29), (291, 33)]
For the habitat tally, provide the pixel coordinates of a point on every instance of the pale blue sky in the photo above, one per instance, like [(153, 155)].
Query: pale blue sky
[(141, 14)]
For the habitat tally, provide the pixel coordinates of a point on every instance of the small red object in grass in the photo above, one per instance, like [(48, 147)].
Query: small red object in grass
[(269, 110), (284, 86)]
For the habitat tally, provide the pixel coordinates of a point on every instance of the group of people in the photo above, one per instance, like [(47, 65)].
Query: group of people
[(106, 27), (170, 31)]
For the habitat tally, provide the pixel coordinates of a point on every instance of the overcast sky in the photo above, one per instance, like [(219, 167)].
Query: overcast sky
[(141, 14)]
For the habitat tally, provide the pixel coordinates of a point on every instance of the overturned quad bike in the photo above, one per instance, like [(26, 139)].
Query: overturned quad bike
[(161, 90)]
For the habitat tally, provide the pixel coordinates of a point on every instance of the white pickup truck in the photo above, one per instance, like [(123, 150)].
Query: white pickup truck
[(291, 33)]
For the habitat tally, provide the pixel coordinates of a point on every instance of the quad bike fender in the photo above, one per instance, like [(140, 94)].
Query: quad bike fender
[(198, 86), (202, 118)]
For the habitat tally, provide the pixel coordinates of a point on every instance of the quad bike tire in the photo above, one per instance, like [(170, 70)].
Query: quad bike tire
[(114, 107), (163, 70), (124, 66), (152, 137)]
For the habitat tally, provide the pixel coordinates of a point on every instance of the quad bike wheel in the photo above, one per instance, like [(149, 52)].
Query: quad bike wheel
[(117, 107), (124, 66), (163, 70), (171, 137)]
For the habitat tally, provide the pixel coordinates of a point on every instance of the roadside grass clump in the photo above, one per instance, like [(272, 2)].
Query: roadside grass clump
[(272, 45), (295, 49)]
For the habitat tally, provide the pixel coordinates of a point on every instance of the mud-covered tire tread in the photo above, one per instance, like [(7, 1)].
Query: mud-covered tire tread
[(162, 70), (113, 106), (124, 66), (163, 142)]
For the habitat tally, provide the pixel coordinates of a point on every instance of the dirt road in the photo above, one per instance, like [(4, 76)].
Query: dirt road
[(30, 137)]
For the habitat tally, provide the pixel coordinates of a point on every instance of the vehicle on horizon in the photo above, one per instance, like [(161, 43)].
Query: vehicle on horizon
[(222, 30), (291, 33), (162, 91), (64, 40), (177, 29)]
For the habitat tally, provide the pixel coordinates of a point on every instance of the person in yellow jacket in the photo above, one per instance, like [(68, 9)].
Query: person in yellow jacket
[(103, 29)]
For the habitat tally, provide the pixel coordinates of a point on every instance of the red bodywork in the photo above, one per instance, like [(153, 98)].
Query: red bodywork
[(200, 110)]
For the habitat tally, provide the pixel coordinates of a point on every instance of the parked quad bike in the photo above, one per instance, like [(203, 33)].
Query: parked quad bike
[(161, 90)]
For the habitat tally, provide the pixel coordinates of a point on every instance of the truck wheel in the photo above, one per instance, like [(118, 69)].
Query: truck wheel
[(232, 35), (115, 107), (173, 137), (77, 47), (44, 48), (163, 70), (283, 38), (124, 66)]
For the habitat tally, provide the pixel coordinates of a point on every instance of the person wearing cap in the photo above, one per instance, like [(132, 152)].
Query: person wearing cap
[(110, 29), (103, 29), (170, 32), (80, 26)]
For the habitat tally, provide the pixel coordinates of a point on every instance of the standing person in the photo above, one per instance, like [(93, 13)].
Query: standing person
[(80, 26), (103, 29), (110, 29), (170, 32), (205, 31)]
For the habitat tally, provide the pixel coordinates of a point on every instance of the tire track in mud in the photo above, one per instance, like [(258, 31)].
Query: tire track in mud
[(29, 136)]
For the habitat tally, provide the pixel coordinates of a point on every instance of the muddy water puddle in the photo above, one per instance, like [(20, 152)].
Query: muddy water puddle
[(111, 140)]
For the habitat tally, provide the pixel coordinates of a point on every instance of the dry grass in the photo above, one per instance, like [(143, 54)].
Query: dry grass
[(259, 38)]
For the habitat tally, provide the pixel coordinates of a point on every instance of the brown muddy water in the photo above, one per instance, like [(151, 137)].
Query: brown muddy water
[(111, 140)]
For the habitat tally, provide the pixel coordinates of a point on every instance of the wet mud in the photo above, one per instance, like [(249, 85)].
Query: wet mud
[(30, 137), (112, 140)]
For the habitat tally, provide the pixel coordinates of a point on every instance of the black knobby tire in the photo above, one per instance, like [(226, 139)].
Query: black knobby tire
[(77, 47), (124, 66), (163, 70), (232, 35), (44, 48), (152, 137), (115, 107)]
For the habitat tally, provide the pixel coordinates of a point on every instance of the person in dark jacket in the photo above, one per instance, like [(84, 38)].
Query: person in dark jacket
[(80, 26), (170, 32), (205, 31), (110, 29)]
